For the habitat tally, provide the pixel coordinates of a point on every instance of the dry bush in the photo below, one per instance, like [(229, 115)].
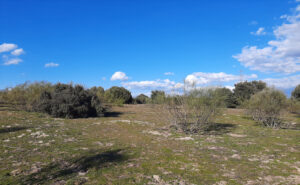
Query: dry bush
[(267, 107), (193, 111), (24, 95)]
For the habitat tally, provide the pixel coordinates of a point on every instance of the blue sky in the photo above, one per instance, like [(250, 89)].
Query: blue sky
[(136, 43)]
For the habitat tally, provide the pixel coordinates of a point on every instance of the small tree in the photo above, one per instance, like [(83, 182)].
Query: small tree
[(244, 90), (296, 93), (118, 95), (142, 99), (267, 106)]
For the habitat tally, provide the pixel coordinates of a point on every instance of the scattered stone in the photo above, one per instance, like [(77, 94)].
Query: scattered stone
[(15, 172), (236, 135), (156, 177), (236, 156), (185, 138), (20, 136)]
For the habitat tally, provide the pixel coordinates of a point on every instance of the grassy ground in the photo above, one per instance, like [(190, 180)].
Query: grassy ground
[(133, 145)]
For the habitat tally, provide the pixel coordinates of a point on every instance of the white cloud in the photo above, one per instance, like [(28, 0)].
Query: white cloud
[(281, 54), (169, 73), (13, 61), (200, 78), (260, 31), (18, 52), (253, 23), (285, 82), (119, 76), (156, 84), (51, 64), (6, 47)]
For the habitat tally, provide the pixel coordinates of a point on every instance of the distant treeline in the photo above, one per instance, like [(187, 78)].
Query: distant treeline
[(69, 100)]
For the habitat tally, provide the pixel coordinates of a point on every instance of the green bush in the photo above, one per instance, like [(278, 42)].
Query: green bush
[(296, 93), (267, 106), (227, 95), (142, 99), (99, 92), (68, 101), (158, 97), (244, 90), (118, 95)]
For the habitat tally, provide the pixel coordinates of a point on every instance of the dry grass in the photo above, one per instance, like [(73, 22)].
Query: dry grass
[(133, 145)]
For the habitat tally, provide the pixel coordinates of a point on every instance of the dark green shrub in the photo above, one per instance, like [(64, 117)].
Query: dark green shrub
[(98, 91), (244, 90), (118, 95), (158, 97), (142, 99), (296, 93), (69, 101), (267, 106)]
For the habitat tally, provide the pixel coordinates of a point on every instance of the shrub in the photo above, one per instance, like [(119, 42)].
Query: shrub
[(267, 106), (244, 90), (141, 99), (98, 91), (194, 111), (227, 95), (158, 97), (69, 101), (296, 93), (23, 95), (118, 95)]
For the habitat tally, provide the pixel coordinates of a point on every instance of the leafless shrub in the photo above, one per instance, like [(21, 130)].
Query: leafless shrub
[(193, 111), (267, 107)]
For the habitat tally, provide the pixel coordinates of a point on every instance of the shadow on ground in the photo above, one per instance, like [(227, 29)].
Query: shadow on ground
[(12, 129), (64, 170), (113, 114), (220, 128)]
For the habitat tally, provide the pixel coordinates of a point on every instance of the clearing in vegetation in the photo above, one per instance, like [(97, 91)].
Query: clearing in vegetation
[(134, 145)]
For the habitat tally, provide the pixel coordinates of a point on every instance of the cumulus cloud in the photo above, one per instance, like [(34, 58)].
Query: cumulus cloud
[(6, 47), (18, 52), (119, 76), (281, 55), (13, 61), (169, 73), (260, 31), (200, 78), (51, 64), (285, 82)]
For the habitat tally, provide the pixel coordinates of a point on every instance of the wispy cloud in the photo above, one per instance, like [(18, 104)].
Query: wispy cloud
[(13, 61), (285, 82), (18, 52), (260, 31), (51, 64), (281, 55), (119, 75), (169, 73)]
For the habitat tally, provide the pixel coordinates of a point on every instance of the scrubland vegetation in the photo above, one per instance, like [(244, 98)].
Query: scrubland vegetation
[(250, 135)]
